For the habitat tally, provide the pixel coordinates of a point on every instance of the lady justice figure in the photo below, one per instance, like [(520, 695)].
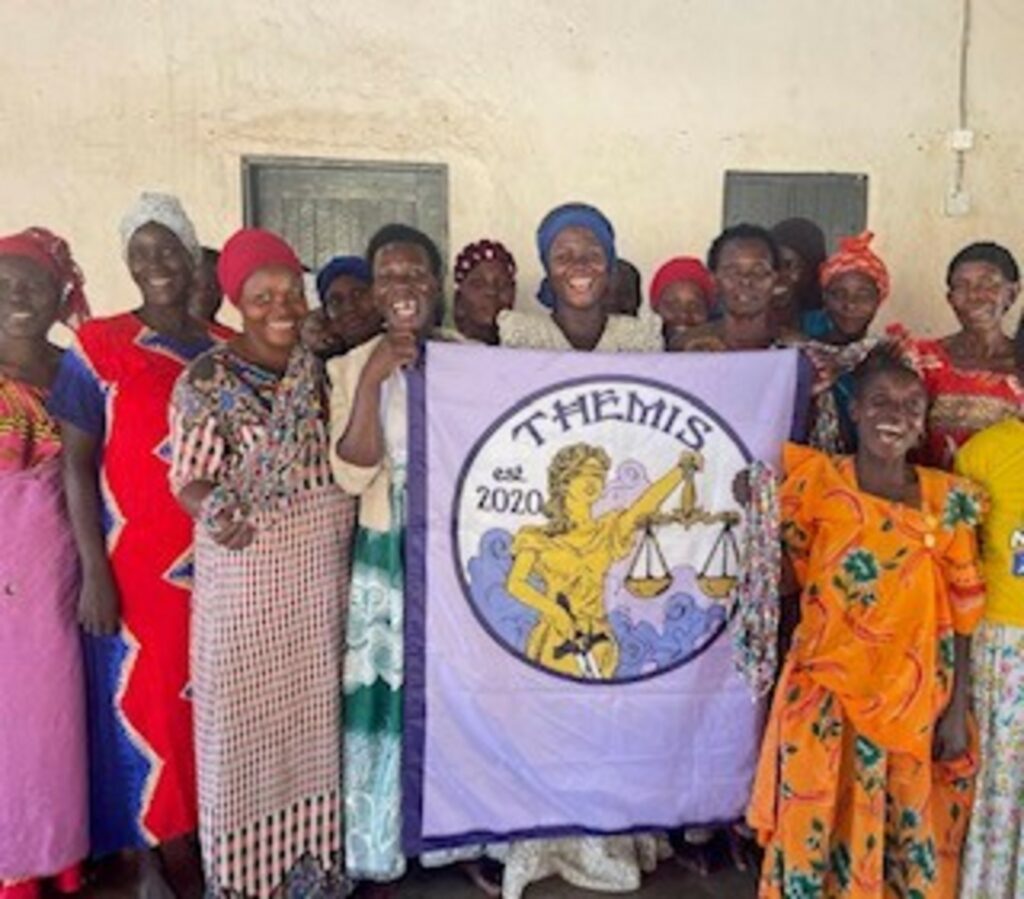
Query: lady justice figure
[(560, 568)]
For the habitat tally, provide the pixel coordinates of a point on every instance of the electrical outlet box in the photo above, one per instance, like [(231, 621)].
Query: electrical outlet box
[(958, 202), (961, 139)]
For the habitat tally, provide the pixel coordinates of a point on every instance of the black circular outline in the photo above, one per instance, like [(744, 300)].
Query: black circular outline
[(468, 464)]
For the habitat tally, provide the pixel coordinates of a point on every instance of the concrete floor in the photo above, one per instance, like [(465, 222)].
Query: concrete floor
[(668, 882)]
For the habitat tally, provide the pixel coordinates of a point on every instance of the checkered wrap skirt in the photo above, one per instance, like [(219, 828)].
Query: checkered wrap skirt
[(266, 655)]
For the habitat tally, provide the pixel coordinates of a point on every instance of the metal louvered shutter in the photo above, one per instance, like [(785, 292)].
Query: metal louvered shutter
[(326, 207), (837, 202)]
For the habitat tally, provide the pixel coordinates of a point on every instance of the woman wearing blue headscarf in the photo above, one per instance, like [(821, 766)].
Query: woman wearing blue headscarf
[(577, 248), (348, 316)]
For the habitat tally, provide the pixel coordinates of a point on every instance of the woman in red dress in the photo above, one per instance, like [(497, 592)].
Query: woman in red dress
[(111, 396), (970, 375)]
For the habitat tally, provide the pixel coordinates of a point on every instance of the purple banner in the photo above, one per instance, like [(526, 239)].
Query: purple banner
[(573, 543)]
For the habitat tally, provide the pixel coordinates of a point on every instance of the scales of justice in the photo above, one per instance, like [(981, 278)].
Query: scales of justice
[(649, 574)]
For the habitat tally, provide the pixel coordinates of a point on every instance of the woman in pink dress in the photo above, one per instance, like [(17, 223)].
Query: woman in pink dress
[(44, 830)]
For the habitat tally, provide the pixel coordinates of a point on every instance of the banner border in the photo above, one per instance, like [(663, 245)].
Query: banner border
[(414, 725)]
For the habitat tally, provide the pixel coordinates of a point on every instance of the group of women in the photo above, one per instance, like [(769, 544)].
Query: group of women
[(221, 515)]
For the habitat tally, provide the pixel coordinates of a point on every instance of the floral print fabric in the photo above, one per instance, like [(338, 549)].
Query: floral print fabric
[(993, 865), (847, 800)]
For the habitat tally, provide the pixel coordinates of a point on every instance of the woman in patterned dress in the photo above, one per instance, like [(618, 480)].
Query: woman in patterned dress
[(44, 825), (370, 453), (863, 787), (135, 543), (272, 539), (971, 375)]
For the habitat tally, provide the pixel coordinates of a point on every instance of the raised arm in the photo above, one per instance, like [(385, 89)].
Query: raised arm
[(653, 497), (197, 452), (99, 607), (362, 442)]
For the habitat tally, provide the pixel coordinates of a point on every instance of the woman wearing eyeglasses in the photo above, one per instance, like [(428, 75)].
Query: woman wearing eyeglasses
[(744, 262), (970, 375)]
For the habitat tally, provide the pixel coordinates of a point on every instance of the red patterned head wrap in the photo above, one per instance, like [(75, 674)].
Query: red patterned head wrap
[(683, 268), (485, 250), (52, 253), (855, 255), (249, 250)]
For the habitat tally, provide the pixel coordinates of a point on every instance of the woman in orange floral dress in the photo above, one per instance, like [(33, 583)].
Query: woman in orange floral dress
[(864, 782)]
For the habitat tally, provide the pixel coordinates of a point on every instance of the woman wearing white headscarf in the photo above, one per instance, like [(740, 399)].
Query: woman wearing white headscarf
[(111, 397)]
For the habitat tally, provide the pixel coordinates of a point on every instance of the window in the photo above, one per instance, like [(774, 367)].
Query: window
[(838, 203), (326, 208)]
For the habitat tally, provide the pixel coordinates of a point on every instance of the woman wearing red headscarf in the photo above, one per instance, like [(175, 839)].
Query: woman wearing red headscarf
[(854, 284), (44, 828), (250, 465), (682, 294)]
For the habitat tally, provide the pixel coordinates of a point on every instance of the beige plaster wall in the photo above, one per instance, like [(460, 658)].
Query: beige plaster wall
[(636, 105)]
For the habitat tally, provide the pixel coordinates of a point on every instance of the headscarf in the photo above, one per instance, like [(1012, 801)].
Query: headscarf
[(683, 268), (471, 255), (53, 254), (353, 266), (163, 209), (855, 255), (249, 250), (570, 215)]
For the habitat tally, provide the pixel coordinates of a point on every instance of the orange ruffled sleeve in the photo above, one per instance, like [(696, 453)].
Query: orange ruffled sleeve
[(798, 498)]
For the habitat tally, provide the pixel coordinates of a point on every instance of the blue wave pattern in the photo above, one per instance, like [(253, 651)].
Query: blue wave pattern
[(687, 626)]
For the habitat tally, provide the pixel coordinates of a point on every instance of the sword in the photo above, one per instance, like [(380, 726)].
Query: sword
[(580, 645)]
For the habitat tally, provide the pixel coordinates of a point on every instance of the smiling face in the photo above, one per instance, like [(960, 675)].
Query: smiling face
[(851, 300), (789, 284), (889, 412), (29, 299), (405, 288), (745, 278), (272, 305), (683, 305), (980, 296), (487, 290), (577, 268), (350, 309), (160, 266), (793, 270)]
